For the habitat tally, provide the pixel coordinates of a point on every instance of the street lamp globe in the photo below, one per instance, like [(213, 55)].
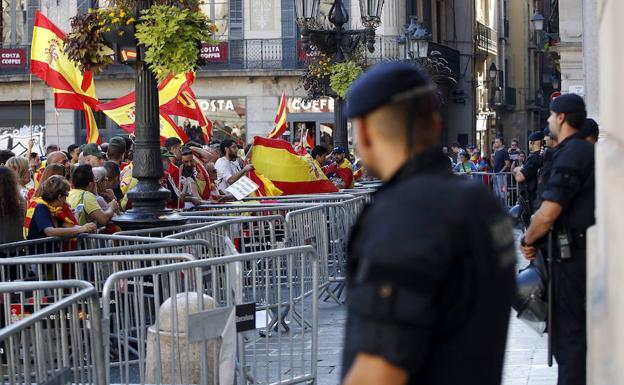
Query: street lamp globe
[(306, 10), (538, 21), (371, 12), (493, 72)]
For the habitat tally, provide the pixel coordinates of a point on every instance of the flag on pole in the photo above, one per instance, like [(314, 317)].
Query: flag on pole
[(277, 161), (122, 112), (308, 142), (72, 89), (280, 119)]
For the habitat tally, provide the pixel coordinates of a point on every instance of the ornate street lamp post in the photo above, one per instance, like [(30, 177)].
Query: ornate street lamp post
[(148, 196), (338, 42)]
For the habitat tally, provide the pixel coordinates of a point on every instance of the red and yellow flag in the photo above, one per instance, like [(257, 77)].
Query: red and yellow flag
[(185, 103), (280, 119), (64, 214), (122, 112), (291, 173), (308, 142), (72, 89)]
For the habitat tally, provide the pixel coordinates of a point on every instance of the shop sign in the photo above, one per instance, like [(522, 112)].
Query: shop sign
[(300, 105), (215, 53), (12, 58)]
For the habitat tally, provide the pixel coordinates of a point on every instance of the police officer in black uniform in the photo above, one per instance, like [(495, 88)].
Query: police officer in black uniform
[(568, 209), (527, 174), (429, 290)]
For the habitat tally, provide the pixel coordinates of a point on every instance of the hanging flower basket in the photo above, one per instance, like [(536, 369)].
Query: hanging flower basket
[(171, 35)]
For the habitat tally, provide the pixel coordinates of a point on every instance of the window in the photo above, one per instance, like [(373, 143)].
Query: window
[(14, 31), (218, 11)]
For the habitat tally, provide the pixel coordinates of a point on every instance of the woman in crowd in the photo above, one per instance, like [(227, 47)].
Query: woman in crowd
[(49, 215), (12, 207), (50, 171), (22, 170)]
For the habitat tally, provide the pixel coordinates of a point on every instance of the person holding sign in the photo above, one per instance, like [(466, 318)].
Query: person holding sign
[(229, 170)]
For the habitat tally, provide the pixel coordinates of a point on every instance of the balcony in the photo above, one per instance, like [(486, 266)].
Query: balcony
[(487, 40)]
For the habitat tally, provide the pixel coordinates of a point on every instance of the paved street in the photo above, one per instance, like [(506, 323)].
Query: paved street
[(525, 359)]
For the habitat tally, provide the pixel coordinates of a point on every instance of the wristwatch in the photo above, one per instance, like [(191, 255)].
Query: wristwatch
[(523, 242)]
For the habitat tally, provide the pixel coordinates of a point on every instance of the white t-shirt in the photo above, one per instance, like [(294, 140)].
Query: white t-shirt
[(225, 170)]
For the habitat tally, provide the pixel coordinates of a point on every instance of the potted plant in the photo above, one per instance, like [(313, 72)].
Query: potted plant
[(171, 33)]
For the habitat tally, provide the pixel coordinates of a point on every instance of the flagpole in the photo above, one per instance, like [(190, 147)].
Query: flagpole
[(30, 122), (58, 132)]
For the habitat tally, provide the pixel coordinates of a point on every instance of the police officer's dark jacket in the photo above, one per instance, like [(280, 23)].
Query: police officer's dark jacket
[(571, 184), (430, 277)]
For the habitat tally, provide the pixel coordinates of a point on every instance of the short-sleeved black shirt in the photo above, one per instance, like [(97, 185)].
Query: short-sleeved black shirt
[(430, 279), (572, 184), (500, 157)]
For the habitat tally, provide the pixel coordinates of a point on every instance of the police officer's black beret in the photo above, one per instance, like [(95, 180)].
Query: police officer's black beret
[(567, 103), (590, 128), (547, 131), (385, 83), (537, 135)]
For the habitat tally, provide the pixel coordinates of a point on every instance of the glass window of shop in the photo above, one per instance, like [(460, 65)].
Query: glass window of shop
[(228, 116), (218, 11), (14, 22), (314, 116)]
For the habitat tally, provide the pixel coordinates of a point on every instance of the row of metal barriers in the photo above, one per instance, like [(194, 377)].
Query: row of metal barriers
[(229, 298)]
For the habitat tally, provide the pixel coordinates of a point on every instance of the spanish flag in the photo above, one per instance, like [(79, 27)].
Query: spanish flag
[(277, 161), (280, 119), (72, 89), (122, 112), (308, 142), (64, 214), (185, 103)]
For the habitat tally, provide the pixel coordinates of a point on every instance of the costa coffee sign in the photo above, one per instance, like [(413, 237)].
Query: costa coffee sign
[(215, 53), (12, 58)]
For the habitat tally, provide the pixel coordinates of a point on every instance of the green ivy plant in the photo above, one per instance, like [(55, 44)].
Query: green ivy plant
[(172, 38), (343, 75)]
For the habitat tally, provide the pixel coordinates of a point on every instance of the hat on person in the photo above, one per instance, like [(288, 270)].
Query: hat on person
[(339, 150), (117, 142), (92, 149), (567, 103), (386, 83), (164, 153), (546, 131), (537, 135)]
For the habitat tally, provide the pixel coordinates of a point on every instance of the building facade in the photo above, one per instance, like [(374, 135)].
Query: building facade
[(259, 57)]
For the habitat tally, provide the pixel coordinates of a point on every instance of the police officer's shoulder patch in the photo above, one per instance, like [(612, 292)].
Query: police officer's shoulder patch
[(501, 232)]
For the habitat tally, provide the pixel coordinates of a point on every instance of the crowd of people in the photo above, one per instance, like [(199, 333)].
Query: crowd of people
[(82, 188)]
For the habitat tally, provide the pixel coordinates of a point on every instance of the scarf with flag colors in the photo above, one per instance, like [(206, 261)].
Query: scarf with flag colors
[(280, 119), (72, 89), (277, 161), (63, 214)]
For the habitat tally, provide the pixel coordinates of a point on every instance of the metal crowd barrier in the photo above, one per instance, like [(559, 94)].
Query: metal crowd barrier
[(52, 334), (503, 185), (214, 321), (248, 234), (304, 198)]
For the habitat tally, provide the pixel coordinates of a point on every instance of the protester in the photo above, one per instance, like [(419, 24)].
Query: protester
[(20, 166), (319, 154), (74, 153), (50, 216), (430, 270), (52, 148), (12, 207), (340, 171), (465, 164), (113, 178), (117, 151), (93, 155), (5, 155), (50, 171), (34, 162), (129, 152), (229, 170), (84, 202), (102, 192), (194, 179)]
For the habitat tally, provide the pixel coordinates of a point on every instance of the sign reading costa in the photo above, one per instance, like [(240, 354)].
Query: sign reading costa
[(215, 53), (12, 58)]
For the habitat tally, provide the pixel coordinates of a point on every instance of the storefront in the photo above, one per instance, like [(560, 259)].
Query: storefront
[(228, 116), (315, 116)]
